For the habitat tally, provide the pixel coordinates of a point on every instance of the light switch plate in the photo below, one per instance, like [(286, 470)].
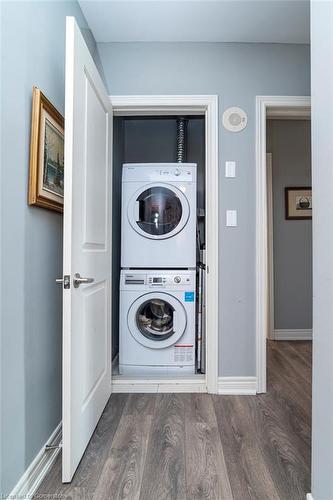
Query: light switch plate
[(231, 218), (230, 169)]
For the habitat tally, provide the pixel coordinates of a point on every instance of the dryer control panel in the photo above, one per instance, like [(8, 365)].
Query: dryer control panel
[(159, 172)]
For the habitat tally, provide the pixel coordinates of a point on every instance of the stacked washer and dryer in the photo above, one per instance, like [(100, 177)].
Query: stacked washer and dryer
[(158, 278)]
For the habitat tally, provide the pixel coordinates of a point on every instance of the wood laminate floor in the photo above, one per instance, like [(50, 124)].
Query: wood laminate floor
[(198, 447)]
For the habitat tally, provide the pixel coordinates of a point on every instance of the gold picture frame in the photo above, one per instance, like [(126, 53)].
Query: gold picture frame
[(46, 171)]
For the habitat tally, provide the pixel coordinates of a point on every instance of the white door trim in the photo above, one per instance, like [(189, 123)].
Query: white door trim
[(269, 165), (263, 105), (207, 105)]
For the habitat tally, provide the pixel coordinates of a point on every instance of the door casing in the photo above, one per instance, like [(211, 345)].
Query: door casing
[(206, 105)]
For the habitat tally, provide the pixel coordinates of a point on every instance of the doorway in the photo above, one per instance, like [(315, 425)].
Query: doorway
[(147, 345), (268, 107), (201, 107), (289, 231)]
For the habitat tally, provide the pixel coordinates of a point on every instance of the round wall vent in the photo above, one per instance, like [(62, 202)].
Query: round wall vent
[(234, 119)]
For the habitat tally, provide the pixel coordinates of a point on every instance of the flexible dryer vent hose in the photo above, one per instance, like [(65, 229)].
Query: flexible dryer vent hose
[(181, 139)]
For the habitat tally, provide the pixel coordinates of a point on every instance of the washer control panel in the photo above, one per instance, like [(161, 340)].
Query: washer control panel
[(164, 279)]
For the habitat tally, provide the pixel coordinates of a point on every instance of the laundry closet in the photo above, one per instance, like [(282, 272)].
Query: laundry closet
[(158, 255)]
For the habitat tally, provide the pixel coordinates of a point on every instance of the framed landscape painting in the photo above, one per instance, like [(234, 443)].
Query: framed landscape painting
[(298, 203), (46, 179)]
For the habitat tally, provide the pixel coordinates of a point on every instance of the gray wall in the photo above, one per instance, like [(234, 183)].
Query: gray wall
[(237, 73), (290, 143), (32, 53), (322, 176), (148, 140)]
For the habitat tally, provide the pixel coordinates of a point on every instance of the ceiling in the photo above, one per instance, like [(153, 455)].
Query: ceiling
[(267, 21)]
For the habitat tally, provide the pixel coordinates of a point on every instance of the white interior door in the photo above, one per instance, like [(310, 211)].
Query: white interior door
[(87, 250)]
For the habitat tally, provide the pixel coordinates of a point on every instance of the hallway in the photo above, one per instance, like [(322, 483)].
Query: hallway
[(198, 446)]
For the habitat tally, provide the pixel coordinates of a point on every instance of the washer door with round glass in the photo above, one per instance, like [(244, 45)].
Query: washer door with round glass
[(157, 320), (158, 211)]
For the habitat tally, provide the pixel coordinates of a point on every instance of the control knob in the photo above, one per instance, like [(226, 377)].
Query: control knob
[(177, 279)]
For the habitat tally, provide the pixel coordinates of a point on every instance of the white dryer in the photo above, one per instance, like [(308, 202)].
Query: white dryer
[(158, 215), (157, 322)]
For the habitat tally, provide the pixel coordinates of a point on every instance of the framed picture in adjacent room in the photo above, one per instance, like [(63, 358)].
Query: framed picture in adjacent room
[(46, 177), (298, 203)]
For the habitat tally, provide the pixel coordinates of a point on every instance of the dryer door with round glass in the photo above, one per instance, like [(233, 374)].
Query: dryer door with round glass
[(157, 320), (158, 211)]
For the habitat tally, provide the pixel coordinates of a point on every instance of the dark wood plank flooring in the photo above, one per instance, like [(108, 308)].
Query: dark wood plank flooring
[(200, 447)]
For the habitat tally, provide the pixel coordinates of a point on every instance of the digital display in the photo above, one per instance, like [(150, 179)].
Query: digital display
[(157, 280)]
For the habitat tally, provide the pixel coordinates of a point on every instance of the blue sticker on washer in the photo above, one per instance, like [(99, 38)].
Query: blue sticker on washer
[(189, 296)]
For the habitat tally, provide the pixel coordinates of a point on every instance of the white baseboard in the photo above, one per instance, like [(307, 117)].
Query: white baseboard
[(128, 385), (309, 496), (237, 386), (37, 470), (295, 334)]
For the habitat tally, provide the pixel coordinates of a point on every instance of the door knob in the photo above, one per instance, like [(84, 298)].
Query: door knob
[(77, 281)]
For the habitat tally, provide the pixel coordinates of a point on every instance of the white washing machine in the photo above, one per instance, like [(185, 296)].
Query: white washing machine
[(158, 215), (157, 322)]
